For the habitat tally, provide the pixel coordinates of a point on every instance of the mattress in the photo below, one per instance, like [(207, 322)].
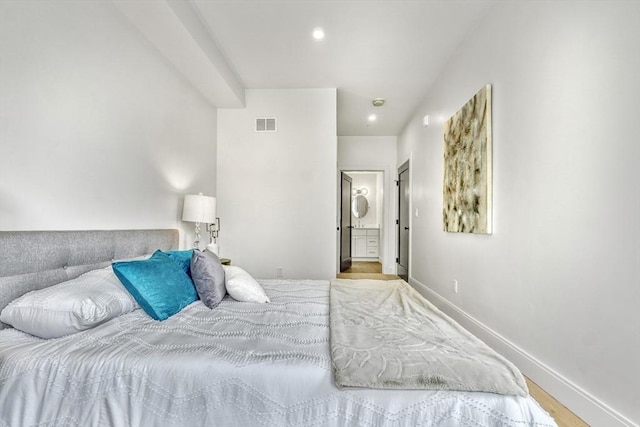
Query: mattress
[(240, 364)]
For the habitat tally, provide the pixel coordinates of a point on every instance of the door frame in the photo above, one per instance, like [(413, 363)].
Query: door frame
[(406, 165), (388, 237)]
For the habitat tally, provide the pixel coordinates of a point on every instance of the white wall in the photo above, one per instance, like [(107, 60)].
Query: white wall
[(375, 153), (97, 131), (560, 276), (277, 191)]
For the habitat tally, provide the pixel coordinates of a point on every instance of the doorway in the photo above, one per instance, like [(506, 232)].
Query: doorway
[(361, 214), (345, 222), (404, 196)]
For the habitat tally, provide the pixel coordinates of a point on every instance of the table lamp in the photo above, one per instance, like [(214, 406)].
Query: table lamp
[(199, 209)]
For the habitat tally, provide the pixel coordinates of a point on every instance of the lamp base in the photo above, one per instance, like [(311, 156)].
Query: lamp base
[(196, 241), (214, 247)]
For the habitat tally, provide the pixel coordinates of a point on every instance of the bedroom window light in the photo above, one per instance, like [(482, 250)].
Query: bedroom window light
[(198, 209)]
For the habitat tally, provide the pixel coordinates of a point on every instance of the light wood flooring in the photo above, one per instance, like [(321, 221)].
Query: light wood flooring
[(563, 416), (366, 270)]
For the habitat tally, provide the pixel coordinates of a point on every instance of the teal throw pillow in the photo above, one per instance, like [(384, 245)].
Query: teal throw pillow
[(183, 258), (158, 284)]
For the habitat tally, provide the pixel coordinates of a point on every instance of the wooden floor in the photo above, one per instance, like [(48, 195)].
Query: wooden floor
[(366, 270), (563, 416), (364, 267)]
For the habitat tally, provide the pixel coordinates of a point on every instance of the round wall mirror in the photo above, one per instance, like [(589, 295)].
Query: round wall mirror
[(359, 206)]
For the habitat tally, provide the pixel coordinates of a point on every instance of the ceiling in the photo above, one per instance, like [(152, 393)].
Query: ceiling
[(392, 49)]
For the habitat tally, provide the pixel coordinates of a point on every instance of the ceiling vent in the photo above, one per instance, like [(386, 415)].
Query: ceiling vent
[(266, 124)]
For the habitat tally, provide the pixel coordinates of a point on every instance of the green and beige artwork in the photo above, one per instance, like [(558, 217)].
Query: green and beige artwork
[(467, 167)]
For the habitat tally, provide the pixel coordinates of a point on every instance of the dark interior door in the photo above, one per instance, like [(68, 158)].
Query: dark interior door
[(345, 222), (403, 221)]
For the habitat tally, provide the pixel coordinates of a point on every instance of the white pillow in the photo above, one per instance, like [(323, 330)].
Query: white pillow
[(70, 307), (241, 286)]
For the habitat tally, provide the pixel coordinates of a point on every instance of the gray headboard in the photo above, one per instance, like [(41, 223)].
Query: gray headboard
[(31, 260)]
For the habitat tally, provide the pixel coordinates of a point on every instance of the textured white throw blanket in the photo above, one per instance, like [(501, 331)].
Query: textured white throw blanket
[(384, 334)]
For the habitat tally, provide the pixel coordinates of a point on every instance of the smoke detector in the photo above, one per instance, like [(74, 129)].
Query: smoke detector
[(378, 102)]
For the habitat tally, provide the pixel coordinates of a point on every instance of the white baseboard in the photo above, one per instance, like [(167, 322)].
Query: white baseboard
[(586, 406)]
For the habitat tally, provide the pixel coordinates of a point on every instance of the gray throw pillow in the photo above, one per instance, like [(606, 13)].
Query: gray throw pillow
[(208, 276)]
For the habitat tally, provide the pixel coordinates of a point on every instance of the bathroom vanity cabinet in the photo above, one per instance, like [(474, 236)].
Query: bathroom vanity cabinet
[(365, 242)]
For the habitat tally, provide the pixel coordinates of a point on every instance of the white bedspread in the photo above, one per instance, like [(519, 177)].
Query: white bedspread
[(240, 364)]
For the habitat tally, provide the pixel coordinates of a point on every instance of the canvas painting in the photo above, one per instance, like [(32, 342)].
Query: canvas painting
[(467, 167)]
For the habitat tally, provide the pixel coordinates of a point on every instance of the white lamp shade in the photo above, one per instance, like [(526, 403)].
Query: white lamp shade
[(199, 208)]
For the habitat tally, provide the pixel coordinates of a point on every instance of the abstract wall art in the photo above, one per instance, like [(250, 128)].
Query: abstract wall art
[(467, 167)]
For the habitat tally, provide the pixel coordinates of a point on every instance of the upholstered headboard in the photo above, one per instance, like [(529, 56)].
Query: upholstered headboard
[(31, 260)]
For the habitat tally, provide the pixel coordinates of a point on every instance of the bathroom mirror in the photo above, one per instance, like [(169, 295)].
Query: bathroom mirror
[(359, 206)]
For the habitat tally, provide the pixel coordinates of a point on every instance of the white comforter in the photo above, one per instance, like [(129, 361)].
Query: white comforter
[(240, 364)]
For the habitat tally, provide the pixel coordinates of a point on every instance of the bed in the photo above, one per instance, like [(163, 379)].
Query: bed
[(239, 364)]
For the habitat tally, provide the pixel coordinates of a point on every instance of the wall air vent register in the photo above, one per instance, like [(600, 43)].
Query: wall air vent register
[(266, 124)]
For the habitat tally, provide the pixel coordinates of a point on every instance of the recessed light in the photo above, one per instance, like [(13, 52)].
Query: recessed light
[(318, 33), (372, 117)]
